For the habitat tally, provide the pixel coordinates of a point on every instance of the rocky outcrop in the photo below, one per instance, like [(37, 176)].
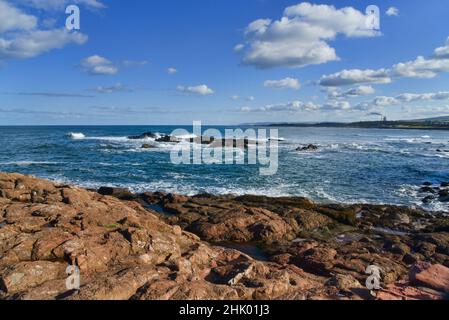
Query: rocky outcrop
[(126, 249), (123, 251)]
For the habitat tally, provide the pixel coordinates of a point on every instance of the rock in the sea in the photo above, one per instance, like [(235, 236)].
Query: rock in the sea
[(310, 147), (428, 199), (145, 135), (167, 138), (148, 146), (427, 189)]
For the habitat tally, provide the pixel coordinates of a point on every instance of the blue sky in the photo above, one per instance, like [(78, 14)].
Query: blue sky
[(231, 61)]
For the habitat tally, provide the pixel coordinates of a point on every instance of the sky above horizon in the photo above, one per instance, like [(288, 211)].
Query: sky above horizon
[(221, 62)]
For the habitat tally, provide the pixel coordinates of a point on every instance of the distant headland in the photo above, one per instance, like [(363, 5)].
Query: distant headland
[(439, 123)]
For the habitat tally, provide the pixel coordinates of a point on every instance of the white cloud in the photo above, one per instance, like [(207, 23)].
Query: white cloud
[(235, 97), (392, 11), (355, 76), (33, 43), (20, 37), (250, 98), (334, 93), (172, 70), (112, 89), (300, 37), (200, 89), (336, 105), (12, 18), (421, 67), (135, 63), (287, 83), (443, 52), (404, 98), (239, 47), (293, 106), (97, 65)]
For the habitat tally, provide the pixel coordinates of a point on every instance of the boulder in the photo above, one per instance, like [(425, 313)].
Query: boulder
[(148, 146)]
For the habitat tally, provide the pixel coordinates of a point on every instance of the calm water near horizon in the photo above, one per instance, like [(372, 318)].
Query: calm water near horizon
[(351, 165)]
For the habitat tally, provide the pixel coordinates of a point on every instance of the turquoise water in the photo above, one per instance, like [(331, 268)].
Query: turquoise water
[(351, 165)]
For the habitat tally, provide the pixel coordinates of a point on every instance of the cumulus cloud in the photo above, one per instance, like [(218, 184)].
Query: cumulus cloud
[(20, 37), (98, 65), (336, 105), (287, 83), (443, 52), (355, 76), (385, 101), (293, 106), (392, 11), (202, 90), (172, 70), (36, 42), (300, 37), (421, 67), (12, 18), (334, 93), (297, 106)]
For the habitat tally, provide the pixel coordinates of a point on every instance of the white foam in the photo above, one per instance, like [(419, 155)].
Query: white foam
[(76, 135)]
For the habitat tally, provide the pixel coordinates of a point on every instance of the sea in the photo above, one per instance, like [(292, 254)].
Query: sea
[(376, 166)]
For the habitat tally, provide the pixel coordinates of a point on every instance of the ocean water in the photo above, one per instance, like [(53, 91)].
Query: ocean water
[(351, 166)]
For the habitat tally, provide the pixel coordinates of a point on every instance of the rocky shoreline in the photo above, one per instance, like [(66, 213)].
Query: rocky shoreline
[(165, 246)]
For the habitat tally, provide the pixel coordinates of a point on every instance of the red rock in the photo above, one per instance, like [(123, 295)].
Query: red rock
[(434, 277)]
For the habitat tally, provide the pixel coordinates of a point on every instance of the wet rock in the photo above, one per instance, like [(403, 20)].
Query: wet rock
[(428, 190), (144, 135), (428, 199), (148, 146), (167, 138), (310, 147)]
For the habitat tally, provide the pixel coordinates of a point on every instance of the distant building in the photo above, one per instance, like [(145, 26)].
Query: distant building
[(384, 119)]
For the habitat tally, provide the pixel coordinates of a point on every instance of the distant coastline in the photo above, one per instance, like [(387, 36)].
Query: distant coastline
[(441, 123)]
